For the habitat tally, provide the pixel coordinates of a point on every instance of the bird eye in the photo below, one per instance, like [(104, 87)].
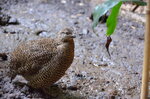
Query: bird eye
[(68, 33)]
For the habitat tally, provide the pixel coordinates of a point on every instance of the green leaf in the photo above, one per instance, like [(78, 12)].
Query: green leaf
[(101, 9), (112, 19)]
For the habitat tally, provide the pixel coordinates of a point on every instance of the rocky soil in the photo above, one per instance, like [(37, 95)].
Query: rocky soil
[(93, 74)]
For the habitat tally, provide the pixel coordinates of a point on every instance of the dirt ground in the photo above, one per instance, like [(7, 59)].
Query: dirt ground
[(93, 74)]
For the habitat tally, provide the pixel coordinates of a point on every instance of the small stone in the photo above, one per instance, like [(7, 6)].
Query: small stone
[(76, 22), (29, 96), (102, 89), (73, 88), (85, 31), (82, 12), (20, 79), (81, 4), (79, 75), (63, 1), (3, 56), (73, 16), (100, 65), (107, 82), (4, 19), (13, 21), (12, 96), (43, 34)]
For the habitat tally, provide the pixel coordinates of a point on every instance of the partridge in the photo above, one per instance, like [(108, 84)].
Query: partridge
[(43, 62)]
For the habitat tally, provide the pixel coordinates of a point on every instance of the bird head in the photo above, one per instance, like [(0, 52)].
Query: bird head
[(66, 35)]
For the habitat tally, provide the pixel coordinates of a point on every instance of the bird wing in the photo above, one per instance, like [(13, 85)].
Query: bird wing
[(36, 63), (34, 55)]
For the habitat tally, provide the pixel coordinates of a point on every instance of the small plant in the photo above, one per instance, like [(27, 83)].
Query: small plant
[(113, 6)]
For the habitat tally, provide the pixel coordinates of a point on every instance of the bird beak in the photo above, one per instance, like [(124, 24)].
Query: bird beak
[(73, 36)]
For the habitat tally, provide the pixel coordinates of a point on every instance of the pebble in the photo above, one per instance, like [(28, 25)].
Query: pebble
[(43, 34), (73, 88), (85, 31), (63, 1), (4, 19), (13, 21), (81, 4)]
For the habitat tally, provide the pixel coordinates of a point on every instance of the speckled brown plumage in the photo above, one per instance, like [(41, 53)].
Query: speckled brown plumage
[(42, 62)]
